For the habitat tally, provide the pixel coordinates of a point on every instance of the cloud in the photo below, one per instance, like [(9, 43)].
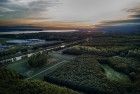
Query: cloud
[(91, 10), (22, 8), (3, 9), (3, 1), (68, 10)]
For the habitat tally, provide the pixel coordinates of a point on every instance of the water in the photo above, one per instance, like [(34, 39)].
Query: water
[(24, 32)]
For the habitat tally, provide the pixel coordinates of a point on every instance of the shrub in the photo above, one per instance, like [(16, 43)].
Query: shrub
[(38, 60), (134, 53), (73, 51), (14, 83), (9, 75), (126, 65), (99, 51), (84, 74)]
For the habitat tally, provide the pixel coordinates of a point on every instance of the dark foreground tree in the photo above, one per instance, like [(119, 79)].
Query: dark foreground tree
[(38, 60), (14, 83)]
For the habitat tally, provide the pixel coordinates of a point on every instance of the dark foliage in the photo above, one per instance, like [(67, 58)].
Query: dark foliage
[(126, 65), (13, 83), (85, 74), (38, 60)]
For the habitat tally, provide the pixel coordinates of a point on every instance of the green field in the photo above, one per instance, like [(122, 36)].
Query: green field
[(113, 75), (55, 61)]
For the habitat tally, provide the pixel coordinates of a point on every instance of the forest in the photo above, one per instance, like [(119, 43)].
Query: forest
[(14, 83), (119, 52), (101, 63)]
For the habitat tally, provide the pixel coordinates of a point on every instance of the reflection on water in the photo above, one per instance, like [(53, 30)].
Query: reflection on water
[(20, 32)]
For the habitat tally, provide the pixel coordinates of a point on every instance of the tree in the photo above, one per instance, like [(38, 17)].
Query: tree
[(38, 60)]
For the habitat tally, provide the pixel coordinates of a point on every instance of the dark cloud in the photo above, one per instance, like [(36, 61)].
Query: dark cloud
[(1, 1), (38, 5), (12, 9), (130, 25), (24, 8), (135, 11), (136, 16)]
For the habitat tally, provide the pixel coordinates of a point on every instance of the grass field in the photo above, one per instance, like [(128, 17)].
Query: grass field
[(56, 60), (114, 75), (22, 68)]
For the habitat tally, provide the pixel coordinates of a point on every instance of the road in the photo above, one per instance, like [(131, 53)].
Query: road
[(61, 59), (50, 48)]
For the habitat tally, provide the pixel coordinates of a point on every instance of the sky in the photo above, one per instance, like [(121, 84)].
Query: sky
[(88, 11)]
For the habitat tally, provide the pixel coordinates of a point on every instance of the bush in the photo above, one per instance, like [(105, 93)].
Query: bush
[(83, 74), (14, 83), (73, 51), (99, 51), (38, 60), (31, 87), (134, 53), (126, 65), (9, 75)]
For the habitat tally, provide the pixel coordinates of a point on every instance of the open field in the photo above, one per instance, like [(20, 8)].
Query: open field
[(55, 61), (113, 75)]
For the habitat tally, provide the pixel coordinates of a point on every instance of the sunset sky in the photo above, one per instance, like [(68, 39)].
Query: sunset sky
[(69, 11)]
